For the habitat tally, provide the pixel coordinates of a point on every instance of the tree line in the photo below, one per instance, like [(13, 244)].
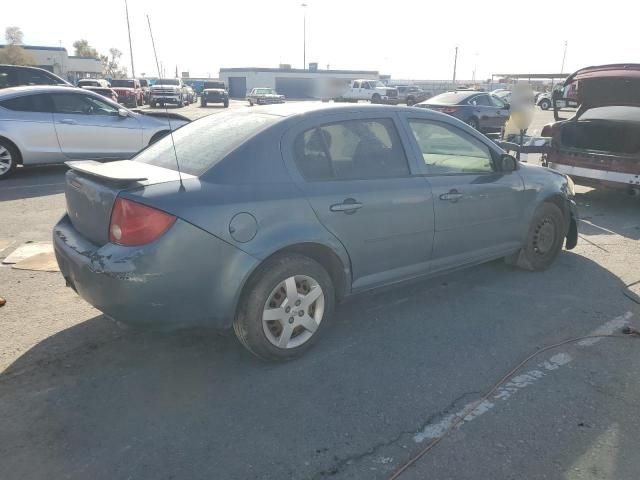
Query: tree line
[(14, 53)]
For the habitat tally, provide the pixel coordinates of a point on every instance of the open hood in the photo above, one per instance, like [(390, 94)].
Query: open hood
[(600, 86), (607, 85)]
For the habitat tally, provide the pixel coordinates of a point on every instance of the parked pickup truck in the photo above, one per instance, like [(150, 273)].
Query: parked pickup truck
[(168, 90), (371, 90)]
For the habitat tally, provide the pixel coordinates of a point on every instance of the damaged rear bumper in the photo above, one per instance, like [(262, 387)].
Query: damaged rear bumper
[(186, 278)]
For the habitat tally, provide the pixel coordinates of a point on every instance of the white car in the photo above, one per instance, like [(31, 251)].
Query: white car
[(44, 124)]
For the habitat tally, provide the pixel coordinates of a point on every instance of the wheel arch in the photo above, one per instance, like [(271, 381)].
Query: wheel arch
[(19, 160), (326, 256)]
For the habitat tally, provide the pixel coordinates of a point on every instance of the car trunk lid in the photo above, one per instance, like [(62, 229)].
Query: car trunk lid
[(92, 188)]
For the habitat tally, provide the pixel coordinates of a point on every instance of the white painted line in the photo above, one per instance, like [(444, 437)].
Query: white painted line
[(598, 226), (517, 383), (607, 329)]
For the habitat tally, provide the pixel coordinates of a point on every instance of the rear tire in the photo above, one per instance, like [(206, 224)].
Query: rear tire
[(544, 239), (9, 156), (288, 333), (226, 104), (250, 103), (375, 98), (203, 103), (545, 104)]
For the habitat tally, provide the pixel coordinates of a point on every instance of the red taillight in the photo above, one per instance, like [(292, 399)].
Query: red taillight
[(449, 110), (136, 224)]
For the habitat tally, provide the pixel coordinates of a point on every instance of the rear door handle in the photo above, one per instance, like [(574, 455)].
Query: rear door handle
[(452, 196), (349, 206), (68, 121)]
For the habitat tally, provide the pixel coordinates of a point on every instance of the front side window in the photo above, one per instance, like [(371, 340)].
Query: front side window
[(353, 149), (69, 103), (496, 102), (446, 150)]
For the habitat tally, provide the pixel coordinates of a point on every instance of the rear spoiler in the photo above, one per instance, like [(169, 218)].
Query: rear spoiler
[(126, 171)]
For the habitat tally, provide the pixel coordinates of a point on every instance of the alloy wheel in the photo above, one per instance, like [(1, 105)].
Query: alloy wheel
[(293, 311), (6, 160)]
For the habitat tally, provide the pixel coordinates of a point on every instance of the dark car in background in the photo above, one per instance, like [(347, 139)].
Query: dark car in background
[(483, 111), (214, 92), (411, 94), (109, 93), (18, 76), (600, 144), (281, 212), (129, 92)]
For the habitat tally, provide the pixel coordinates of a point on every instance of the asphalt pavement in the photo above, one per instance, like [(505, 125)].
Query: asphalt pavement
[(83, 397)]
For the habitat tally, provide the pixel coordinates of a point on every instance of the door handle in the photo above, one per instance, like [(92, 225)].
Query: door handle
[(452, 196), (68, 121), (349, 206)]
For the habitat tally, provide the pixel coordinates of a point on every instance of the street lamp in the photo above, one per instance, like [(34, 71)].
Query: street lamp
[(304, 35)]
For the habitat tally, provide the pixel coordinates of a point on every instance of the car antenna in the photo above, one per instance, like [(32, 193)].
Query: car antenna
[(173, 143)]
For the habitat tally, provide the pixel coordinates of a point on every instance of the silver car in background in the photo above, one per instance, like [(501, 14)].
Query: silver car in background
[(43, 125)]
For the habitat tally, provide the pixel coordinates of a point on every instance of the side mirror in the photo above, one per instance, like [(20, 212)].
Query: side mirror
[(508, 163), (507, 106), (122, 113)]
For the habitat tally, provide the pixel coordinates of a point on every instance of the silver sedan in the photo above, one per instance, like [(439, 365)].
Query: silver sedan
[(43, 125)]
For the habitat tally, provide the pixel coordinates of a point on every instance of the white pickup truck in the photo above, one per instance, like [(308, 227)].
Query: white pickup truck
[(371, 90)]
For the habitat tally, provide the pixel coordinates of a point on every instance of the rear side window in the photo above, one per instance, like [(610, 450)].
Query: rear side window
[(29, 103), (354, 149), (480, 100), (35, 77), (203, 143)]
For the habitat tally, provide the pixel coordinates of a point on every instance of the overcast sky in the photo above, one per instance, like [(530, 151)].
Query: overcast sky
[(404, 38)]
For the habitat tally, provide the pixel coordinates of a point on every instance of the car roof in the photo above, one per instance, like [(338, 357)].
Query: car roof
[(304, 108), (11, 91)]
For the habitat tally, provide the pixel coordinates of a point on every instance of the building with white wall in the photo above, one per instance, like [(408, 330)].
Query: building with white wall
[(291, 82), (58, 61)]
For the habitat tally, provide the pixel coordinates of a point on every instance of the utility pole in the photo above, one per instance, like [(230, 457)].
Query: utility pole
[(126, 9), (564, 56), (304, 36), (455, 66)]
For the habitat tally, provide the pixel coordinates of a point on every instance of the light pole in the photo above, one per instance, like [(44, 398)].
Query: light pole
[(126, 9), (304, 35), (564, 56), (455, 67)]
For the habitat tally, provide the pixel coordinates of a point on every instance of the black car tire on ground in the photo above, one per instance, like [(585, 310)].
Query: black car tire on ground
[(226, 104), (248, 322), (545, 104), (14, 155), (544, 239), (410, 101), (473, 123), (250, 103), (375, 98), (203, 103)]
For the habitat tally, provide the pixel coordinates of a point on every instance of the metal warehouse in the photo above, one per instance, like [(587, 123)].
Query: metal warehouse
[(291, 82)]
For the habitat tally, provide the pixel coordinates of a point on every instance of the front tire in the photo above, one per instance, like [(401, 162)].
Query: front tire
[(375, 98), (544, 239), (8, 159), (203, 103), (545, 104), (285, 307)]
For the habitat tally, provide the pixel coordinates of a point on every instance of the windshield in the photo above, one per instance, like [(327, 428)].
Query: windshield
[(622, 114), (203, 143), (449, 98), (168, 81), (214, 85), (263, 91), (122, 83)]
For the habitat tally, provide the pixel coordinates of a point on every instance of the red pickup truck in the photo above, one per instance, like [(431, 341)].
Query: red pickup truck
[(129, 90)]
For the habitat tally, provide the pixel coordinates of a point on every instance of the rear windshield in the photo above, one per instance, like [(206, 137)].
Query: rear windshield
[(449, 98), (122, 83), (619, 113), (203, 143)]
